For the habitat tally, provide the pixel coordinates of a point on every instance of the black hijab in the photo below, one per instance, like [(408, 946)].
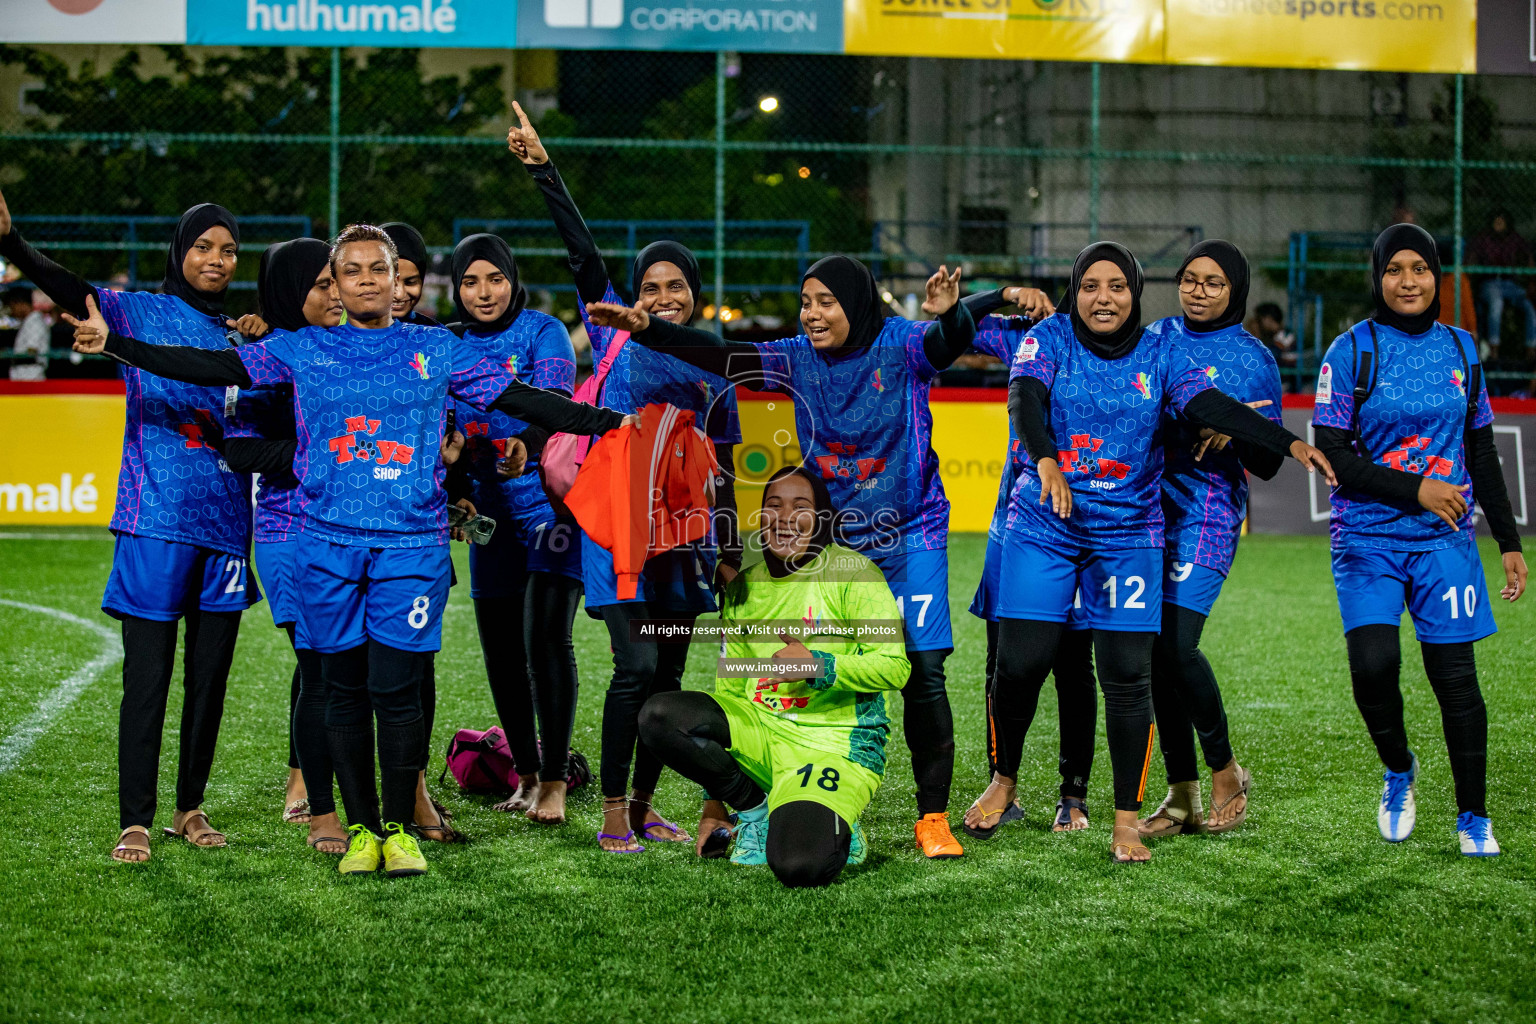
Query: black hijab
[(1233, 264), (498, 253), (821, 498), (856, 291), (1390, 242), (409, 244), (192, 224), (667, 252), (1122, 341), (288, 271)]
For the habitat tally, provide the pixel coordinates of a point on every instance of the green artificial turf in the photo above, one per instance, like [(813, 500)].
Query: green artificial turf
[(1304, 914)]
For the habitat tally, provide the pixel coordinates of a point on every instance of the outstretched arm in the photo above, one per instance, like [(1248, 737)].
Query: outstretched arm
[(585, 259), (950, 336), (737, 361), (553, 412), (1226, 415), (202, 366), (66, 288)]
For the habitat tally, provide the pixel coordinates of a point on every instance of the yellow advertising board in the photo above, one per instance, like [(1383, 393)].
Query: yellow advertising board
[(1363, 35), (1091, 30), (58, 466)]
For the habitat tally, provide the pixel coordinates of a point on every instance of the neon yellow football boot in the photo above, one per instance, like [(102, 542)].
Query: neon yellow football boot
[(363, 856), (402, 854)]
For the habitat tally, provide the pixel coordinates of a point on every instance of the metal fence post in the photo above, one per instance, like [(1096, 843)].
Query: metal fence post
[(335, 180), (719, 190), (1456, 186), (1093, 159)]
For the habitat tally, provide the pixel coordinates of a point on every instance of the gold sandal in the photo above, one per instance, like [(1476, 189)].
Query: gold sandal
[(123, 847), (1126, 838), (1244, 782), (195, 835)]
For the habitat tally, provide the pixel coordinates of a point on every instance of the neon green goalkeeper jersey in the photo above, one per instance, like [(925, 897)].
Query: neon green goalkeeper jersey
[(839, 607)]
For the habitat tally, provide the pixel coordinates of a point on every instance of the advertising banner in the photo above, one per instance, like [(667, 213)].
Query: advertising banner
[(1363, 35), (93, 21), (1107, 30), (797, 26), (43, 483), (488, 23)]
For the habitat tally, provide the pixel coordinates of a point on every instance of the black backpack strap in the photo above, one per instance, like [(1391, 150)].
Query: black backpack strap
[(1366, 360), (1472, 370)]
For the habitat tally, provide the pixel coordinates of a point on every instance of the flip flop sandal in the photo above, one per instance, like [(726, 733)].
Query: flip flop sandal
[(1119, 844), (677, 836), (1064, 808), (1244, 781), (445, 833), (1013, 812), (315, 841), (442, 812), (627, 837), (123, 847), (717, 844), (193, 835), (297, 812)]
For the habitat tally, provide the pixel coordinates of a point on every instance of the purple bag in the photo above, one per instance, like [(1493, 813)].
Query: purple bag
[(481, 762)]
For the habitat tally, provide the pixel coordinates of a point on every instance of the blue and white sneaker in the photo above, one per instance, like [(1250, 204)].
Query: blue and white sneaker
[(751, 846), (1476, 835), (1397, 812), (857, 848)]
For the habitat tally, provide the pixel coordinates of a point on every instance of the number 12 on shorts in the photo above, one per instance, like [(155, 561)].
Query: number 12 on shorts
[(1135, 587), (827, 780)]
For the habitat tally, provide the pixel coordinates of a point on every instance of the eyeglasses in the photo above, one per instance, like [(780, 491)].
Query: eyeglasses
[(1212, 287)]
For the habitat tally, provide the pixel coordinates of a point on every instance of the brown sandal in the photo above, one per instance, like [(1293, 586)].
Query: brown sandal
[(186, 830), (123, 847), (315, 841), (1244, 781), (1126, 838), (442, 832)]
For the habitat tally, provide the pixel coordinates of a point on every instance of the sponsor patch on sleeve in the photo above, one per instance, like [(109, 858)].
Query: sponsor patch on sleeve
[(1324, 385), (1029, 349)]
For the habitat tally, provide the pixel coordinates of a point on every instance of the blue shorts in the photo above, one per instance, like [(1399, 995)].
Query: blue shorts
[(348, 595), (275, 564), (984, 604), (1191, 585), (676, 584), (1445, 592), (1118, 590), (920, 582), (163, 580)]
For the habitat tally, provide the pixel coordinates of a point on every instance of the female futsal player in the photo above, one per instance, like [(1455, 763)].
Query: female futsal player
[(1205, 500), (678, 584), (860, 381), (182, 521), (415, 261), (1087, 398), (1402, 412), (798, 753), (526, 583), (374, 564)]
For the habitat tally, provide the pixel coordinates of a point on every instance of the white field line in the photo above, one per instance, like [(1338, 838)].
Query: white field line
[(15, 746), (55, 536)]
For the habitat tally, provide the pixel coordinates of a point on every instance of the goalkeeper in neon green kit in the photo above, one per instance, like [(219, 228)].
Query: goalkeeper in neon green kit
[(794, 735)]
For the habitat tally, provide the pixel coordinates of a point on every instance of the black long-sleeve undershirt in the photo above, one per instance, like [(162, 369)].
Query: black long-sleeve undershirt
[(259, 455), (586, 259), (727, 526), (1028, 398), (66, 288), (1400, 488), (984, 303), (549, 410), (1259, 461)]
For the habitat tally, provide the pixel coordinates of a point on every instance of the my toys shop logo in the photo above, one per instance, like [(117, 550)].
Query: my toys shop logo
[(360, 444)]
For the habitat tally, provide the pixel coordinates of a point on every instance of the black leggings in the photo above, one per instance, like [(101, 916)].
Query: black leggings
[(807, 842), (308, 741), (1375, 662), (1026, 652), (149, 657), (1186, 698), (929, 726), (1077, 707), (641, 670), (376, 681), (530, 663)]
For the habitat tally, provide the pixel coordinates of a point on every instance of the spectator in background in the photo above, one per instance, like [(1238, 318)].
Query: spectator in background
[(1268, 325), (1468, 319), (31, 339), (1503, 246)]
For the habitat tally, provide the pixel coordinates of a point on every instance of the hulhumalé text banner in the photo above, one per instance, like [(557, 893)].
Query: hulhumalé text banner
[(404, 23)]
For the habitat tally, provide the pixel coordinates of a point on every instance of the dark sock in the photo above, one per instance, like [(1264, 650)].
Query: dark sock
[(352, 756), (929, 725), (1452, 671), (399, 754), (1375, 664)]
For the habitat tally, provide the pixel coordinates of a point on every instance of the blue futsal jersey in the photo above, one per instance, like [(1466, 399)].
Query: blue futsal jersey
[(864, 424), (1205, 502), (535, 349), (1000, 337), (370, 408), (267, 413), (641, 376), (1415, 420), (1106, 420), (171, 485)]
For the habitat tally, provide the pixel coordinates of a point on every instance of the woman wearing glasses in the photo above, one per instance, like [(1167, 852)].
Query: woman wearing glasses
[(1205, 499)]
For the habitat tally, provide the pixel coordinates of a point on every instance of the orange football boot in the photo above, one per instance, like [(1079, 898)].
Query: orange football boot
[(935, 839)]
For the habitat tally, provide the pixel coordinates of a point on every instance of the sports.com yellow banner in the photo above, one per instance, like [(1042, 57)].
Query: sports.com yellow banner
[(59, 464), (1106, 30), (1363, 35)]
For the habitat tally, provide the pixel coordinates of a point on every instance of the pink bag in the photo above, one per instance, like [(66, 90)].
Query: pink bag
[(481, 762), (564, 453)]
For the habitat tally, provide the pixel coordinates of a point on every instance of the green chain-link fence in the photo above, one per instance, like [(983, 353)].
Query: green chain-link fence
[(764, 162)]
